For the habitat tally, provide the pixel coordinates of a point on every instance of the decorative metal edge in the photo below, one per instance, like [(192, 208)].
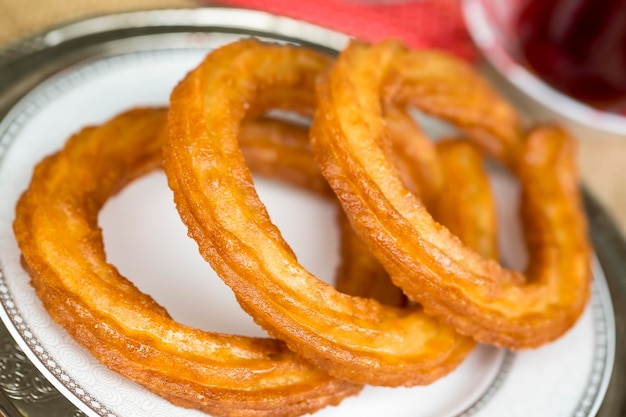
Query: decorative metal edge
[(25, 388), (31, 347), (206, 17), (610, 245), (604, 346)]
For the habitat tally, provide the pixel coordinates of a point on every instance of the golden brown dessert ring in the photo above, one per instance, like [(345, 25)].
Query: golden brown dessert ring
[(56, 228), (474, 295), (353, 338)]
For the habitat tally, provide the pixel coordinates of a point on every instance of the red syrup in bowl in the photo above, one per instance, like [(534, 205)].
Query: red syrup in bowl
[(578, 47)]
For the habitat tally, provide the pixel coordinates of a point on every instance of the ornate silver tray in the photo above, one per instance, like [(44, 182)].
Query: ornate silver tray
[(25, 65)]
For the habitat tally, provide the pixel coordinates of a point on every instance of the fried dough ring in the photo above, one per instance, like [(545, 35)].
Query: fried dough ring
[(56, 229), (465, 203), (448, 176), (414, 155), (462, 183), (353, 338), (474, 295), (280, 150)]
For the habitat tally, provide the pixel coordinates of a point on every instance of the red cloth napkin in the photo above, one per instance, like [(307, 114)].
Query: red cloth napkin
[(419, 23)]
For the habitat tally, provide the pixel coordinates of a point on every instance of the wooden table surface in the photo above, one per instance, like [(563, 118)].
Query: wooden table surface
[(602, 157)]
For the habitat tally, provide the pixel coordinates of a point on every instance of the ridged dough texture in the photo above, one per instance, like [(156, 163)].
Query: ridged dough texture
[(472, 294)]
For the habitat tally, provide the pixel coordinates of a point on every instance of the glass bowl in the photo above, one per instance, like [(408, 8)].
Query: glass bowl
[(490, 25)]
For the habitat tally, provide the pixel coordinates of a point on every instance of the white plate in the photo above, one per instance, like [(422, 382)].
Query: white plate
[(146, 240)]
